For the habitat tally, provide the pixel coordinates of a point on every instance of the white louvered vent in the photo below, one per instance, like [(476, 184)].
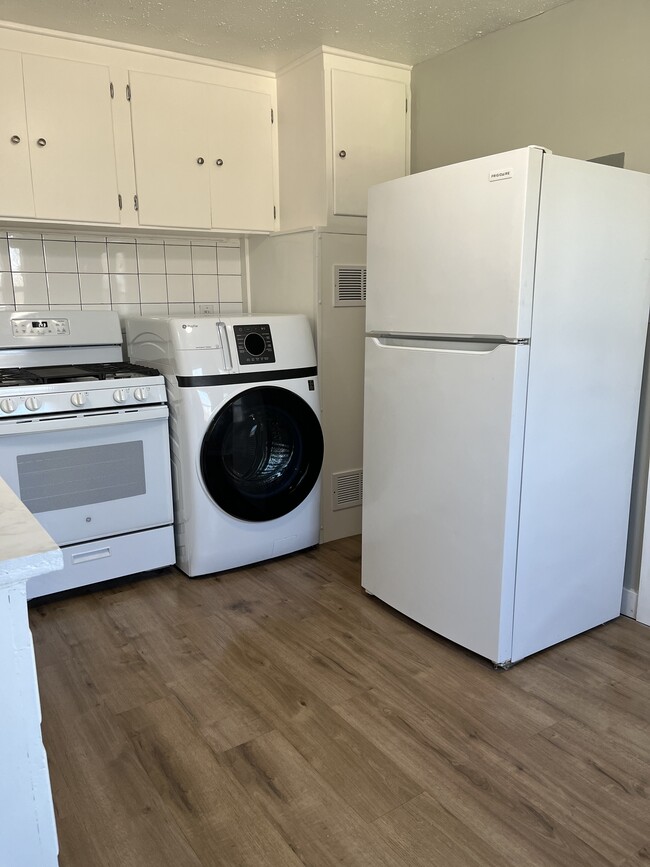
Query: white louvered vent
[(349, 285), (347, 489)]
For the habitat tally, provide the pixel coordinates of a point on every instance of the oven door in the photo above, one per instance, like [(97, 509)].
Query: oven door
[(91, 475)]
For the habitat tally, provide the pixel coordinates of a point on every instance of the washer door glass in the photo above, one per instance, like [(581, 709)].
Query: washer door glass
[(262, 454)]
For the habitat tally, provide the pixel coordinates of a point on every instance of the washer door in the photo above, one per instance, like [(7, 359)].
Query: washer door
[(262, 454)]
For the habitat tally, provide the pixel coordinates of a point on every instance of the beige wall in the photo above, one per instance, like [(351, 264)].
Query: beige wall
[(576, 80)]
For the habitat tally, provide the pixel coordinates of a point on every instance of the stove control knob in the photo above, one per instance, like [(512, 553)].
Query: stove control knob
[(140, 393), (120, 395), (7, 405), (78, 398), (32, 403)]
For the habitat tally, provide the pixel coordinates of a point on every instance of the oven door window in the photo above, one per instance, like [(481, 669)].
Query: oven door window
[(88, 482), (262, 454), (69, 478)]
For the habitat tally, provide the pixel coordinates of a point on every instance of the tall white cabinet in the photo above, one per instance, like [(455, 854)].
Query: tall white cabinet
[(322, 274), (344, 126)]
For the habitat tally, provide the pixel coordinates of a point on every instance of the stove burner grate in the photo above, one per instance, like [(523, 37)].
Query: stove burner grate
[(27, 376)]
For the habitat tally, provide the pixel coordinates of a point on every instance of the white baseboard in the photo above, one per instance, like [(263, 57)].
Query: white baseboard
[(629, 602)]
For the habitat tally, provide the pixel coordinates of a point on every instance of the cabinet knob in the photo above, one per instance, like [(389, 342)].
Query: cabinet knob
[(41, 142), (15, 139), (219, 162), (200, 161), (343, 154)]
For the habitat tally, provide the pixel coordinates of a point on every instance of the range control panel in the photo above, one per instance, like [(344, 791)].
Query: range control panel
[(39, 327), (254, 344)]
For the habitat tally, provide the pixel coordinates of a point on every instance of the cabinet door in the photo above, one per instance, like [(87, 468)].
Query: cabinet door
[(72, 152), (369, 127), (241, 159), (170, 142), (16, 199)]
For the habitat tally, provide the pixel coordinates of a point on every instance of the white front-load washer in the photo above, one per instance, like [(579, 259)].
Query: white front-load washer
[(246, 438)]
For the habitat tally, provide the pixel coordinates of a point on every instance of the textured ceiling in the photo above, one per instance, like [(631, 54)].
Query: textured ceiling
[(268, 34)]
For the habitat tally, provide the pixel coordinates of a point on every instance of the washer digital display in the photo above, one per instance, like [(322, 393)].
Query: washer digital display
[(254, 344)]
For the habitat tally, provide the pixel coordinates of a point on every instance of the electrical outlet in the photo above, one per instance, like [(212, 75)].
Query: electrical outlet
[(206, 308)]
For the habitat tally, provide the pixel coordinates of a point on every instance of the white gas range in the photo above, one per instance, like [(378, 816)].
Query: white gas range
[(84, 442)]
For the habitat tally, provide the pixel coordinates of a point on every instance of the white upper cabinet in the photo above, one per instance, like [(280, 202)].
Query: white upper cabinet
[(203, 154), (369, 137), (241, 172), (344, 126), (16, 196), (61, 156), (171, 149)]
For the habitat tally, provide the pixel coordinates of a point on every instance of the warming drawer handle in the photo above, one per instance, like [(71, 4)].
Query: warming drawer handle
[(79, 423), (88, 556)]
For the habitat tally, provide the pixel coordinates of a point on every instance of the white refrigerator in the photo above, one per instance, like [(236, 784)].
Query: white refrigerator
[(507, 307)]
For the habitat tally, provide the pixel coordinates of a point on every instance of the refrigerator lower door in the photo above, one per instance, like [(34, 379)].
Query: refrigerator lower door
[(443, 440)]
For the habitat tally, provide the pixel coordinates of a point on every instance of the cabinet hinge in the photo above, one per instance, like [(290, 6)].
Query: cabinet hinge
[(128, 93), (271, 115), (112, 91), (136, 204), (119, 200), (274, 212)]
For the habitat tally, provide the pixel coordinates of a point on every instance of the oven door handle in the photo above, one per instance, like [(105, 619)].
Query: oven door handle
[(81, 421)]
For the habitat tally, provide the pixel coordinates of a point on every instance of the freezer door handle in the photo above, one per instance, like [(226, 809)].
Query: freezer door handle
[(446, 342)]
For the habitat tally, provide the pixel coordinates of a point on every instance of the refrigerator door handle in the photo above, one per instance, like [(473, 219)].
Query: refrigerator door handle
[(446, 342)]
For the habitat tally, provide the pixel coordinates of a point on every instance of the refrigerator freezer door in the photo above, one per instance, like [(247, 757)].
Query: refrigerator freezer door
[(452, 250), (442, 462)]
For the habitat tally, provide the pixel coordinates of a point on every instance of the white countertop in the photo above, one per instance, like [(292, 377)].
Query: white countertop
[(25, 548)]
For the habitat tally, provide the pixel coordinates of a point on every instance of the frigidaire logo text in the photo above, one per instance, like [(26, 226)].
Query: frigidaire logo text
[(501, 175)]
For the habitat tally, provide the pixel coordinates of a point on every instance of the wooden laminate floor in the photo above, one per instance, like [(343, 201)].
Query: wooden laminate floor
[(278, 716)]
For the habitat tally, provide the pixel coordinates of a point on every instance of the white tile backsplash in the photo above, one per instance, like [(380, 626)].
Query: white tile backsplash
[(178, 259), (95, 289), (153, 288), (26, 234), (128, 273), (180, 289), (204, 260), (31, 289), (229, 260), (122, 258), (206, 287), (151, 258), (125, 288), (155, 308), (6, 289), (92, 257), (60, 257), (178, 309), (5, 264), (63, 288), (26, 254)]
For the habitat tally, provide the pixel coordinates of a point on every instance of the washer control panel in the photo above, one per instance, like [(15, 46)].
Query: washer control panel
[(254, 344)]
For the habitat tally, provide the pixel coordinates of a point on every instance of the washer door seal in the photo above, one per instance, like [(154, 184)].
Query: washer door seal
[(262, 454)]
